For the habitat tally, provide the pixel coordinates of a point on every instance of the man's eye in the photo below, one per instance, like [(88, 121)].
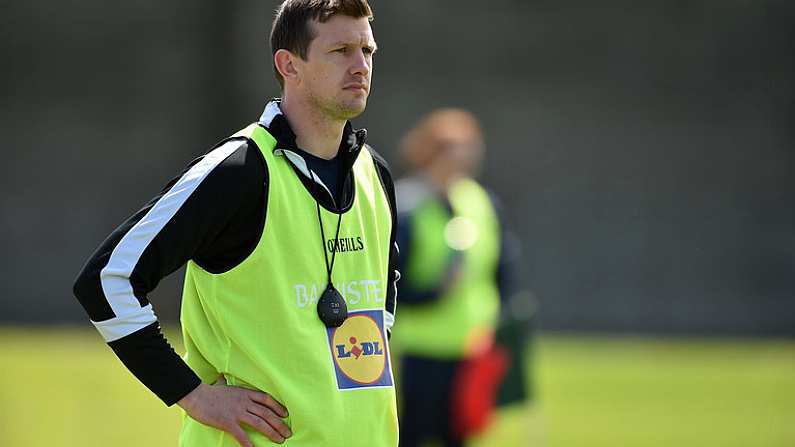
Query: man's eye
[(367, 50), (342, 50)]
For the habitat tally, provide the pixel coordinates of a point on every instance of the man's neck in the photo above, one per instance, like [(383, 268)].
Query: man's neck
[(440, 177), (314, 132)]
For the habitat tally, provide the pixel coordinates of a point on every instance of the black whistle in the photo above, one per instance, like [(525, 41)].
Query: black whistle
[(331, 307)]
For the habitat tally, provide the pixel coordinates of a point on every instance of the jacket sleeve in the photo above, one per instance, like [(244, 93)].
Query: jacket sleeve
[(505, 275), (393, 275), (188, 219)]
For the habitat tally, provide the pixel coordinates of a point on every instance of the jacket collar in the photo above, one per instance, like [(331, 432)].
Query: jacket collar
[(351, 145), (274, 120)]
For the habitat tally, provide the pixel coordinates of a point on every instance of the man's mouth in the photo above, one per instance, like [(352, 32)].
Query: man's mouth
[(356, 86)]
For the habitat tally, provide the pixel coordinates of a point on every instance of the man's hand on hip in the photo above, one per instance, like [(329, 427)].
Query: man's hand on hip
[(226, 407)]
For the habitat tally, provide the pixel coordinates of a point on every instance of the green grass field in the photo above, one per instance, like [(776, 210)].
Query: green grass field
[(64, 387)]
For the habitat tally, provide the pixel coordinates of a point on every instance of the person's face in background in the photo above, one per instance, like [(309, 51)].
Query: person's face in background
[(444, 146), (458, 149), (336, 75)]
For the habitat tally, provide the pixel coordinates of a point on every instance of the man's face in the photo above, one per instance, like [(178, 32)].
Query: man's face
[(460, 148), (336, 76)]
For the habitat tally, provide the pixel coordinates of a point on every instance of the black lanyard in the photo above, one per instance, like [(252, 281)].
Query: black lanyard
[(329, 266), (331, 307)]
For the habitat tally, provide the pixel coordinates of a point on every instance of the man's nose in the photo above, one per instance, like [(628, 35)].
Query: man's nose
[(361, 64)]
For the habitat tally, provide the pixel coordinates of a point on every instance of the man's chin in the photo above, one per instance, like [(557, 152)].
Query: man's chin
[(353, 108), (341, 108)]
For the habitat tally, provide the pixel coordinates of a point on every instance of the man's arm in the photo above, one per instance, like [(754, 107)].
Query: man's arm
[(505, 275), (214, 214), (187, 220)]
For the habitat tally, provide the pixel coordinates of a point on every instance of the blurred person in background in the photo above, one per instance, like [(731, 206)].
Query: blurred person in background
[(277, 225), (456, 266)]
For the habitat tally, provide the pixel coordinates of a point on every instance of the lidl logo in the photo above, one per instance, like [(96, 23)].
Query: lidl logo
[(359, 351)]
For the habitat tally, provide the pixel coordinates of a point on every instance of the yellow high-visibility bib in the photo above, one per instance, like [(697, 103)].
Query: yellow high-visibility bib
[(257, 324), (464, 319)]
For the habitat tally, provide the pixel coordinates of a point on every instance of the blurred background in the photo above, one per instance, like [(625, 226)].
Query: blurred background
[(643, 151)]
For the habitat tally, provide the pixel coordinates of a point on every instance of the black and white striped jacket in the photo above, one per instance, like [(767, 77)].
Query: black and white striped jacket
[(214, 214)]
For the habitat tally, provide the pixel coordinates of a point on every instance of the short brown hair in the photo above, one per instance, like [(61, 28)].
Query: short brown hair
[(291, 28)]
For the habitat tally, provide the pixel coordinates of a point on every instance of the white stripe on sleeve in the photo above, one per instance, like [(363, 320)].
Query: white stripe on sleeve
[(115, 277), (389, 316)]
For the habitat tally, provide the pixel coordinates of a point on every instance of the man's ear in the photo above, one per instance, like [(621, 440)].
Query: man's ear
[(285, 64)]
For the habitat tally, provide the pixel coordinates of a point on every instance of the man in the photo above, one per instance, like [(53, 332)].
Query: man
[(287, 229), (455, 268)]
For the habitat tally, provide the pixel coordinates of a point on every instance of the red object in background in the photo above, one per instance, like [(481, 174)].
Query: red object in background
[(475, 388)]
